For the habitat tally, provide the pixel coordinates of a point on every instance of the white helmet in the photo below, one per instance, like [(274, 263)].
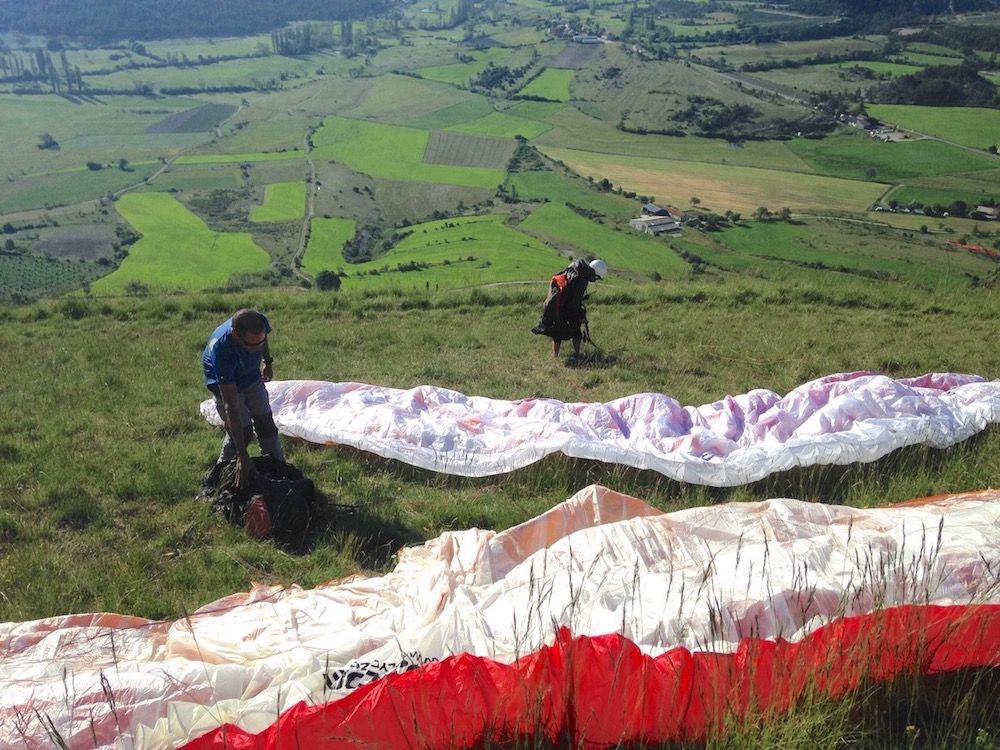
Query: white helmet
[(600, 268)]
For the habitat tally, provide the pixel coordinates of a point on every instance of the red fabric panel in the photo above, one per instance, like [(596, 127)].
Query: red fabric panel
[(596, 692)]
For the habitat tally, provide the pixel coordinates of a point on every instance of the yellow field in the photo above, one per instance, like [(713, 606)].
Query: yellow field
[(720, 187)]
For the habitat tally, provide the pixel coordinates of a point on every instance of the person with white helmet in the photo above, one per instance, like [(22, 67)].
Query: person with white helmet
[(563, 313)]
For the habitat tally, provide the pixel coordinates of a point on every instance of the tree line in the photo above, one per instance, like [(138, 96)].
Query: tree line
[(112, 20)]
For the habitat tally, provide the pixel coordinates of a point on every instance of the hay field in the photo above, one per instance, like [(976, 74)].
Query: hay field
[(721, 187), (461, 150)]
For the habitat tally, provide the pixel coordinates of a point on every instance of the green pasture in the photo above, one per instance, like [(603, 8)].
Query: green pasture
[(196, 47), (396, 99), (625, 250), (552, 85), (69, 187), (585, 132), (683, 31), (462, 252), (459, 74), (721, 187), (456, 116), (983, 183), (541, 111), (503, 125), (101, 131), (836, 77), (273, 136), (934, 50), (923, 260), (274, 70), (392, 151), (280, 170), (238, 158), (406, 201), (559, 188), (190, 52), (764, 154), (518, 36), (326, 242), (438, 11), (178, 250), (851, 154), (968, 126), (737, 54), (925, 61), (282, 201)]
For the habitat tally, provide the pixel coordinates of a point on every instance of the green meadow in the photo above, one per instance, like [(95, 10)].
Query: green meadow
[(922, 260), (551, 85), (503, 125), (834, 77), (969, 126), (625, 251), (392, 151), (326, 239), (458, 253), (549, 185), (178, 251), (460, 74), (853, 155), (282, 201), (930, 196), (396, 99)]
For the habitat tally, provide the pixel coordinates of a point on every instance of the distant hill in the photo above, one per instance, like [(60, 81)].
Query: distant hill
[(113, 20), (901, 9)]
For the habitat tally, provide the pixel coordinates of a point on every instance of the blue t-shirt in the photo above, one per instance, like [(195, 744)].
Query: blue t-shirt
[(225, 361)]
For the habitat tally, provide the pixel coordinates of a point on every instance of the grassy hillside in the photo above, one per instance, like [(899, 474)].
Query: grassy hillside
[(104, 446)]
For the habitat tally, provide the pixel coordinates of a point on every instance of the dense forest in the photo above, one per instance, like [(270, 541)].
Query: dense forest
[(114, 20)]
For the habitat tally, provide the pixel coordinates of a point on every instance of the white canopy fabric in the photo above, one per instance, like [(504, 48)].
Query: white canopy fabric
[(705, 579), (838, 419)]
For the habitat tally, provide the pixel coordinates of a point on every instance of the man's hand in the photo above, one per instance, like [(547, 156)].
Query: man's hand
[(246, 472), (268, 372)]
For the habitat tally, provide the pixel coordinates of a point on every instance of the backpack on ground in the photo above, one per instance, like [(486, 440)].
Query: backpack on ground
[(279, 502)]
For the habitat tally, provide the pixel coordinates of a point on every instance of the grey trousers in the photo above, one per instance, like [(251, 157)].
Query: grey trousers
[(255, 416)]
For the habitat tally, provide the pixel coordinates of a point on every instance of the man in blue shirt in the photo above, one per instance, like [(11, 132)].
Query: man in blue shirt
[(233, 362)]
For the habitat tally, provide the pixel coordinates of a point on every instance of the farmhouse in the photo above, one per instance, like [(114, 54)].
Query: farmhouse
[(654, 224), (986, 212), (655, 209), (683, 217)]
